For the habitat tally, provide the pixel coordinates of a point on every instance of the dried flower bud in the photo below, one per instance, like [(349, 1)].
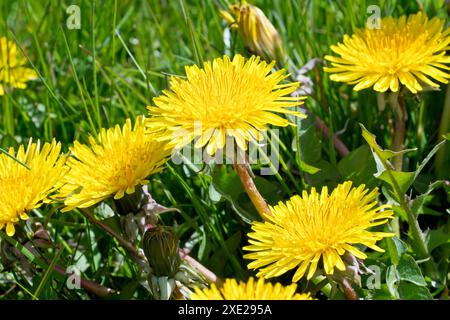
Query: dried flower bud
[(131, 203), (40, 232), (161, 246), (259, 34), (352, 272)]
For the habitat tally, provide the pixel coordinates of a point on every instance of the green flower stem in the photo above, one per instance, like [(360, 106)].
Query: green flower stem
[(444, 127), (14, 158), (321, 283), (418, 241), (250, 187), (8, 119), (416, 233), (399, 131)]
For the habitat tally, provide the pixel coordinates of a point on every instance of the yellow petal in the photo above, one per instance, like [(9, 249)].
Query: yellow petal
[(10, 229)]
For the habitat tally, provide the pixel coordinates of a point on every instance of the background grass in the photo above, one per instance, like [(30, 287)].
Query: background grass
[(122, 57)]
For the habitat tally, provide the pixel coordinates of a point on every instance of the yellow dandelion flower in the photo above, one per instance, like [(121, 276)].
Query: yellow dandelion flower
[(12, 71), (258, 33), (27, 181), (408, 50), (121, 161), (227, 98), (252, 290), (316, 227)]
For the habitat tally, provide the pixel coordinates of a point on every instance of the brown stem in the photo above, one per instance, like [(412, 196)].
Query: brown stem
[(399, 134), (349, 292), (208, 274), (88, 285), (124, 243), (338, 144), (323, 128), (8, 291), (42, 240), (250, 187)]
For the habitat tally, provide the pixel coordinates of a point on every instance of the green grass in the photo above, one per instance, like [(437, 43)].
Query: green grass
[(122, 57)]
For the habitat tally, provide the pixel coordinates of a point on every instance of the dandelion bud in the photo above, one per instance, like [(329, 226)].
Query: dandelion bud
[(161, 249), (259, 34)]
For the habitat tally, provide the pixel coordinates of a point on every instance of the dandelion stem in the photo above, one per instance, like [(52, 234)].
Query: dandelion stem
[(124, 243), (208, 274), (417, 236), (338, 144), (349, 292), (399, 133), (444, 126), (418, 240), (320, 284), (416, 233), (250, 187), (88, 285)]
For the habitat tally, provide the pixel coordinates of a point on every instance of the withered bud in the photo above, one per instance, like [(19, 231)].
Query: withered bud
[(131, 203), (40, 232), (352, 273), (161, 246)]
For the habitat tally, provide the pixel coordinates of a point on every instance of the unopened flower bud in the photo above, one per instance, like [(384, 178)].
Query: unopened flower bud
[(161, 246), (259, 34)]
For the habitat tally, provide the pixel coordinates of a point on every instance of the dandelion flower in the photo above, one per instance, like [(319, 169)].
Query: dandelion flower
[(258, 33), (316, 227), (234, 98), (12, 71), (121, 160), (27, 178), (409, 51), (252, 290)]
